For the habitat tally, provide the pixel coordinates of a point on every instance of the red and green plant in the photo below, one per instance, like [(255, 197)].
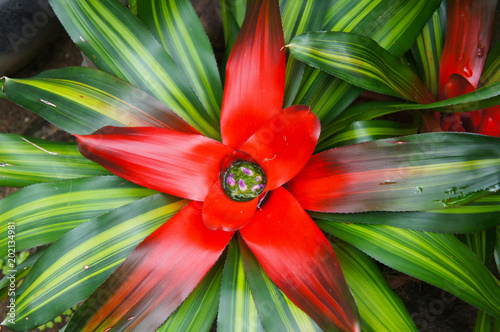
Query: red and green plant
[(180, 204)]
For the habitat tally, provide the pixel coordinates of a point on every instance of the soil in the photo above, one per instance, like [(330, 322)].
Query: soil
[(431, 308)]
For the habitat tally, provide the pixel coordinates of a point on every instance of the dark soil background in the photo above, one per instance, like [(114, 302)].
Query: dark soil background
[(431, 308)]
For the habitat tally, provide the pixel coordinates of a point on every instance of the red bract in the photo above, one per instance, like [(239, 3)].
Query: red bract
[(257, 136), (468, 35)]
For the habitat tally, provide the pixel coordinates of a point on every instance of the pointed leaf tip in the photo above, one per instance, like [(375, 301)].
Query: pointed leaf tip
[(255, 73)]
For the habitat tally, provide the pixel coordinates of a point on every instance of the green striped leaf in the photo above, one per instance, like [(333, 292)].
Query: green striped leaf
[(44, 212), (176, 27), (393, 24), (73, 267), (233, 13), (237, 311), (82, 100), (472, 217), (360, 61), (497, 249), (133, 6), (483, 322), (439, 259), (25, 161), (481, 98), (364, 131), (20, 271), (491, 69), (481, 243), (276, 311), (198, 311), (380, 308), (299, 17), (428, 48), (118, 43)]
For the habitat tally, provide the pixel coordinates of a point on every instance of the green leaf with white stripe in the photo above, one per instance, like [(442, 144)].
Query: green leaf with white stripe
[(276, 311), (439, 259), (44, 212), (379, 307), (198, 311), (237, 311), (299, 17), (360, 61), (475, 216), (370, 130), (491, 69), (118, 43), (481, 98), (393, 24), (74, 266), (176, 27), (82, 100), (428, 48), (25, 161)]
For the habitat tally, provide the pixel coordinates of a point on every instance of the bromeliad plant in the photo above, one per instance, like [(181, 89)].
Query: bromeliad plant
[(235, 227)]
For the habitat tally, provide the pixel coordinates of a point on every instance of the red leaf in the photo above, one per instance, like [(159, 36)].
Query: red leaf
[(255, 73), (468, 34), (284, 144), (154, 280), (221, 212), (180, 164), (298, 258)]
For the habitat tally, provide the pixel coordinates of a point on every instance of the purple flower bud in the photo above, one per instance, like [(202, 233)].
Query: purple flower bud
[(230, 180), (258, 178), (247, 171), (257, 187), (242, 185)]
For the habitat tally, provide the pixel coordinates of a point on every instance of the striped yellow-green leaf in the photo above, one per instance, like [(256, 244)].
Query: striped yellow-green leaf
[(491, 69), (439, 259), (43, 212), (393, 24), (118, 43), (237, 311), (198, 311), (276, 311), (472, 217), (370, 130), (428, 48), (20, 271), (74, 266), (299, 17), (25, 161), (380, 308), (233, 13), (482, 244), (360, 61), (483, 322), (481, 98), (497, 249), (176, 26), (82, 100)]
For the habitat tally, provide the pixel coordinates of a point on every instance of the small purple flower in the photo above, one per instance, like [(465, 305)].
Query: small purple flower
[(230, 180), (258, 178), (247, 171), (257, 187), (242, 185)]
